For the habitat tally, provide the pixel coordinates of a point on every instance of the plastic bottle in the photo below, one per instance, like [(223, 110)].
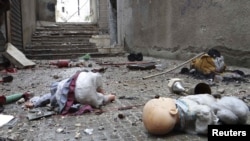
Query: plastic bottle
[(60, 63)]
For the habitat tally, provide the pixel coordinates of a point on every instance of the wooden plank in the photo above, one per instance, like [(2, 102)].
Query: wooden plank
[(169, 70), (16, 57)]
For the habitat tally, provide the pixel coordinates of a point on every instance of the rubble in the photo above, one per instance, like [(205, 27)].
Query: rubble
[(135, 94)]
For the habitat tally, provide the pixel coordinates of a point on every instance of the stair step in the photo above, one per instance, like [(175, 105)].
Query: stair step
[(60, 51), (62, 41), (44, 42), (60, 38), (63, 55), (71, 37), (60, 46), (67, 25), (37, 33), (66, 28)]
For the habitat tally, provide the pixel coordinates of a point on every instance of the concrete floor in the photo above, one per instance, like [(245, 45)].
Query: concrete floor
[(112, 124)]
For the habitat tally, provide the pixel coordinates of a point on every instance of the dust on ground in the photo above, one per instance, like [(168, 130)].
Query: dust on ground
[(112, 124)]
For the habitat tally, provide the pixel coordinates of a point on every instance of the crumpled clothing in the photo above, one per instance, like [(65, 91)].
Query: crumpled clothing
[(57, 97), (61, 90)]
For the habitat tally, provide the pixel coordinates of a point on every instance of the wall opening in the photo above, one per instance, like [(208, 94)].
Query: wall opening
[(73, 11)]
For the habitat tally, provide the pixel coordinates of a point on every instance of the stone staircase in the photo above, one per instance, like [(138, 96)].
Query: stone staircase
[(63, 41)]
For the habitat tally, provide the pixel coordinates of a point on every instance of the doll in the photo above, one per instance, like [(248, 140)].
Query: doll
[(192, 114)]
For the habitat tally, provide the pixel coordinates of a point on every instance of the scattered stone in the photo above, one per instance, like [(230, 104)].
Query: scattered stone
[(78, 124), (78, 135), (90, 65), (157, 96), (21, 101), (221, 90), (59, 130), (89, 131), (124, 84), (101, 128), (121, 116), (134, 124), (56, 77)]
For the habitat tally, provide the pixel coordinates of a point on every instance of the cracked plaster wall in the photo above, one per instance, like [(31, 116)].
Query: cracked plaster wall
[(180, 29)]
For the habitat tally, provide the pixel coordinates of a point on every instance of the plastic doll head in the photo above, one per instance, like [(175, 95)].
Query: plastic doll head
[(160, 115)]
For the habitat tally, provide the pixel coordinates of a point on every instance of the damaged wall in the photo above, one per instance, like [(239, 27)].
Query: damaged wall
[(180, 29), (102, 19), (4, 7), (28, 20), (113, 22)]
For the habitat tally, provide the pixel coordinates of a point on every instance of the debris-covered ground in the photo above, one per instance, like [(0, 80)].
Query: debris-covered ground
[(114, 122)]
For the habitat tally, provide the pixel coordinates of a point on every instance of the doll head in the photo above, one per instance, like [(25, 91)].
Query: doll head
[(160, 115)]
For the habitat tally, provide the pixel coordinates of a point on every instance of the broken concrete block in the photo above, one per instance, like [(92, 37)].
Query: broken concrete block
[(16, 57), (100, 40), (34, 116)]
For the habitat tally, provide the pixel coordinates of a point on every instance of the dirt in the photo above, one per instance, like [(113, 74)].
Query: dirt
[(120, 120)]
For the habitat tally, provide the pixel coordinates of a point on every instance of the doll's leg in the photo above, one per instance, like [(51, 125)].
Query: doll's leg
[(227, 117), (38, 101)]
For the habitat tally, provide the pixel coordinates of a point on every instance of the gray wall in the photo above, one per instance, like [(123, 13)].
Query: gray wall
[(103, 16), (28, 20), (180, 29)]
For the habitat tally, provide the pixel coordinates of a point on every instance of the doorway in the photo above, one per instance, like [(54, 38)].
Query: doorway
[(73, 11)]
